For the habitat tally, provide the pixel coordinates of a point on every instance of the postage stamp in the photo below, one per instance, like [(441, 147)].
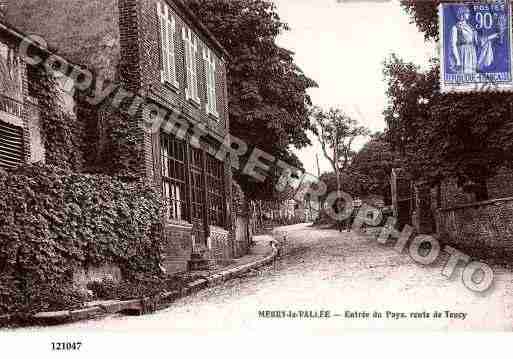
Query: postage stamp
[(475, 40)]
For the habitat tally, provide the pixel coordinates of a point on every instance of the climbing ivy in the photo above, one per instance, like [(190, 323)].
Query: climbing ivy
[(62, 132), (55, 221)]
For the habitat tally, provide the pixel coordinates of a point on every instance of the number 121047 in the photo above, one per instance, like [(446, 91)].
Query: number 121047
[(66, 346)]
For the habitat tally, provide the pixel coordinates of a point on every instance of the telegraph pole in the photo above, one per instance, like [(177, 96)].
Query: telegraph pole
[(318, 167)]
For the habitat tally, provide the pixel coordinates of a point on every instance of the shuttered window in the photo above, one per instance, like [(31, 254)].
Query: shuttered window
[(167, 30), (210, 71), (11, 145), (191, 64)]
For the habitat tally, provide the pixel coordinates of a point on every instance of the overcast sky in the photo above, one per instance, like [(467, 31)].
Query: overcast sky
[(341, 45)]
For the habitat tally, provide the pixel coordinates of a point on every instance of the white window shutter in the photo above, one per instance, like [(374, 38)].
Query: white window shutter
[(213, 85), (207, 78), (163, 42), (191, 59), (187, 61), (171, 51), (210, 66), (209, 82), (194, 50)]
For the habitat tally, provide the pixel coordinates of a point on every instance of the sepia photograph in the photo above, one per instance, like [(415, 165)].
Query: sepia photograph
[(283, 169)]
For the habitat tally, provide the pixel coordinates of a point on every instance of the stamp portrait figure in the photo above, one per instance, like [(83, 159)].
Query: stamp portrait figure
[(470, 52)]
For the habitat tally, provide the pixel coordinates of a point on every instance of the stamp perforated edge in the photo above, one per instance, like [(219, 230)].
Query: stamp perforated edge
[(486, 87)]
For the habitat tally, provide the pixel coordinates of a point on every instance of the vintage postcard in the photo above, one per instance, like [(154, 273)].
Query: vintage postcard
[(281, 168)]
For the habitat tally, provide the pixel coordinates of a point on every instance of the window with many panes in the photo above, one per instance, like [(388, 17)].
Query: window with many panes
[(197, 184), (215, 187), (174, 176)]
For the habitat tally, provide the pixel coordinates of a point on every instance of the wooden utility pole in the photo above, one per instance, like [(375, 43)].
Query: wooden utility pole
[(321, 202), (318, 167)]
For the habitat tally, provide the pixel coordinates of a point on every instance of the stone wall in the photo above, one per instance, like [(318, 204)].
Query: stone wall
[(501, 185), (178, 249), (242, 233), (453, 195), (242, 237), (219, 244), (85, 32), (498, 186), (83, 276), (481, 228)]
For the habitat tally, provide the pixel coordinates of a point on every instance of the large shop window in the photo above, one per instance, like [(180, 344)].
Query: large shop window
[(216, 193), (197, 184), (174, 174), (11, 145)]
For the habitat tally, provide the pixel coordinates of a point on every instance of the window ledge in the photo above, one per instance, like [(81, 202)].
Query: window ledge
[(214, 116), (173, 86), (177, 223), (11, 119), (217, 229), (194, 101)]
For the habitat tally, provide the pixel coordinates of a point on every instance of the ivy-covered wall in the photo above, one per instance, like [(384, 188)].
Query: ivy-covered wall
[(55, 221), (62, 132)]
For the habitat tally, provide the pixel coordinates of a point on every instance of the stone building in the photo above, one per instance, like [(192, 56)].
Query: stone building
[(21, 135), (157, 52)]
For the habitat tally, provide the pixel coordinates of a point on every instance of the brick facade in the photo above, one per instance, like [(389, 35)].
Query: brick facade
[(122, 43), (141, 70)]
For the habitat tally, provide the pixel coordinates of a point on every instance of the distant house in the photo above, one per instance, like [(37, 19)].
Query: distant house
[(160, 51)]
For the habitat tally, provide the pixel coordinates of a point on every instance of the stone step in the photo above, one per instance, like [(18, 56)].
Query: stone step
[(201, 264)]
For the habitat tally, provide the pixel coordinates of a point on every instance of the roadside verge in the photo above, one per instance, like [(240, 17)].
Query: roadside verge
[(261, 255)]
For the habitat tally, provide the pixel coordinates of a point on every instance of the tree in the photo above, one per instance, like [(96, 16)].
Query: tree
[(466, 136), (268, 102), (425, 16), (336, 132), (354, 183), (375, 161)]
